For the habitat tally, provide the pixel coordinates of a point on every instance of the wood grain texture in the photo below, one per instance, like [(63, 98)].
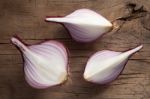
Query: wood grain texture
[(25, 18)]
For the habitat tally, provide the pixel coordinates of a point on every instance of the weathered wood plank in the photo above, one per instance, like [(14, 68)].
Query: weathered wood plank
[(25, 18)]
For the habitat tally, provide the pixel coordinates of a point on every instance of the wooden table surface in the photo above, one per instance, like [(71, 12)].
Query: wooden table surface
[(25, 18)]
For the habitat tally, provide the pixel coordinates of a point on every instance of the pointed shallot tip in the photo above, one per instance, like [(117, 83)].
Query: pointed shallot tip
[(19, 44), (14, 40), (134, 50), (46, 19), (140, 47)]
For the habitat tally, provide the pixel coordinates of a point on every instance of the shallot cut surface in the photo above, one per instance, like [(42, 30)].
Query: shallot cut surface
[(105, 66), (45, 64), (84, 25)]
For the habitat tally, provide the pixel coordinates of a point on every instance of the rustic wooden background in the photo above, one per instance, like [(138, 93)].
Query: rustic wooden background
[(25, 18)]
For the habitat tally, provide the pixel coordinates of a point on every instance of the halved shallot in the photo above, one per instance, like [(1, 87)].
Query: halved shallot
[(45, 64), (105, 66), (84, 25)]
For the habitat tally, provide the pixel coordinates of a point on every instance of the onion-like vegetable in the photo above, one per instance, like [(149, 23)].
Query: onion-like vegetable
[(45, 64), (84, 25), (105, 66)]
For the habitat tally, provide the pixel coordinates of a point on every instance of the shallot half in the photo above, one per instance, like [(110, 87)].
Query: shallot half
[(84, 25), (45, 64), (105, 66)]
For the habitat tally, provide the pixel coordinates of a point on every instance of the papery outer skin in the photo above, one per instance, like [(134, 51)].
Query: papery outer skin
[(105, 66), (45, 64), (84, 25)]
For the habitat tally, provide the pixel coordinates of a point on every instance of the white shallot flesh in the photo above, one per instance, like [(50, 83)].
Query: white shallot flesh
[(45, 64), (105, 66), (84, 25)]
